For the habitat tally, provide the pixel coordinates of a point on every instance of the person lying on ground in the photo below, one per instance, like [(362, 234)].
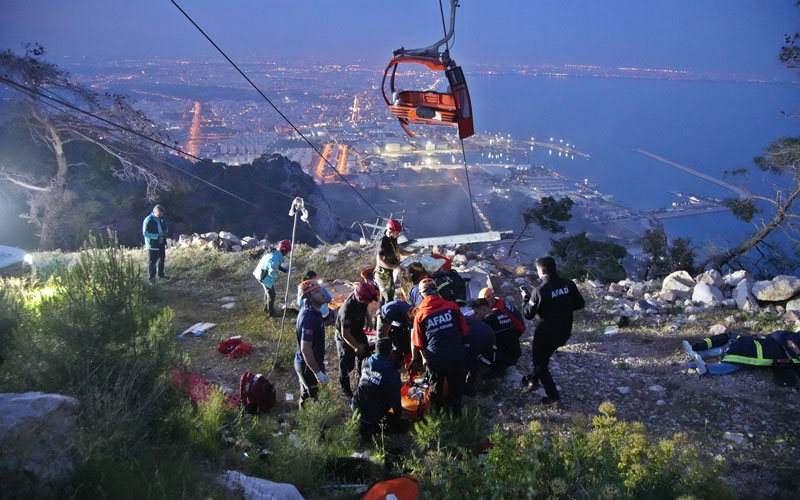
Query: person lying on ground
[(777, 348)]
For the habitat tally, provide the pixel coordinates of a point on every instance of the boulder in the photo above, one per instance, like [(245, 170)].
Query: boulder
[(679, 283), (232, 238), (637, 290), (780, 288), (711, 277), (733, 279), (743, 297), (706, 294), (38, 435)]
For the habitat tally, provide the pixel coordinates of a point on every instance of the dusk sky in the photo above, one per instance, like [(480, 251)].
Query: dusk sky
[(736, 36)]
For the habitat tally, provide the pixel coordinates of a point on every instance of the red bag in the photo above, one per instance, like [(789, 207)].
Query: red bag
[(234, 348), (257, 394)]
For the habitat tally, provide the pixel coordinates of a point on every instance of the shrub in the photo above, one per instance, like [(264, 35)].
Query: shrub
[(90, 333), (609, 459), (11, 309)]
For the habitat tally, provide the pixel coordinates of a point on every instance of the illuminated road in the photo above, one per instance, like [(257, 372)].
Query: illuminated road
[(193, 145), (323, 161)]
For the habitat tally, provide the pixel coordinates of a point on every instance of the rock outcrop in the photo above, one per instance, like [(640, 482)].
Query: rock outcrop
[(37, 435)]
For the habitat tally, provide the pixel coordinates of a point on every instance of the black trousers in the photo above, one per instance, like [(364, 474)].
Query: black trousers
[(347, 362), (155, 265), (542, 348), (269, 300), (453, 373)]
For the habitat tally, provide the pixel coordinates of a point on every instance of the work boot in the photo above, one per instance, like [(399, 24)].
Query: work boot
[(550, 402)]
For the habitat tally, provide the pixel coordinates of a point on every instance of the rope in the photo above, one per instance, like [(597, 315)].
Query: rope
[(285, 118), (298, 206)]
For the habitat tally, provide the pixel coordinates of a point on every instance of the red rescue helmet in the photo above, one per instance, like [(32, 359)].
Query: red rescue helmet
[(427, 287), (285, 246), (308, 286), (394, 226), (366, 292)]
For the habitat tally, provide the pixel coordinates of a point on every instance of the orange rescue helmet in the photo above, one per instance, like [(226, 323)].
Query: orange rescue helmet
[(308, 286), (486, 293)]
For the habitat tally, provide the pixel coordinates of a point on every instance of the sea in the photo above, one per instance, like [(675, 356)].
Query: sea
[(709, 126)]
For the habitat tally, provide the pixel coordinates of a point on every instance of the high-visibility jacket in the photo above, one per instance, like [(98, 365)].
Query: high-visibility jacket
[(762, 351)]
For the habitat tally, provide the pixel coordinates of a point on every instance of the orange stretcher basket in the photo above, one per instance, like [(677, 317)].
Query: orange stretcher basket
[(415, 401)]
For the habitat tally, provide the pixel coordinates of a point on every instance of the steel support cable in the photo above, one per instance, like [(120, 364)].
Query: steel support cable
[(444, 24), (469, 186), (285, 118), (33, 92)]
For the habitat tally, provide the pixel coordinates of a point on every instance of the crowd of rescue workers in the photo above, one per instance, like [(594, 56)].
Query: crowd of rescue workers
[(443, 352)]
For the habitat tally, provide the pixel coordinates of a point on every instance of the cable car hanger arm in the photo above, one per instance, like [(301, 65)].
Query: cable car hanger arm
[(433, 50)]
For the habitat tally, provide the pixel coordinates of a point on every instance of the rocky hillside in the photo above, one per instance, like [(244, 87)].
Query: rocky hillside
[(626, 349)]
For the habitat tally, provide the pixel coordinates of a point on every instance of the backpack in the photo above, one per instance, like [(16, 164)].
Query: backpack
[(259, 272), (256, 393), (451, 286)]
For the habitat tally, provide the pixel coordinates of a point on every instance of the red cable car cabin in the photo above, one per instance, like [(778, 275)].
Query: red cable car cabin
[(426, 106)]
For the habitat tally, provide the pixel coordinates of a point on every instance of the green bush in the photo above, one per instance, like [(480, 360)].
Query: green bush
[(11, 310), (89, 332), (609, 459)]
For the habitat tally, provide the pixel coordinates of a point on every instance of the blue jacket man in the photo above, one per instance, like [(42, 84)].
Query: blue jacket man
[(154, 230), (266, 272)]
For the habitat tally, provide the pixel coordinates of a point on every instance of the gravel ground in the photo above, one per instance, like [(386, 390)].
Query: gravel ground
[(744, 417)]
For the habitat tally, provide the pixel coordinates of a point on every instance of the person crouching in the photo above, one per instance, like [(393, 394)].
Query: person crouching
[(377, 396)]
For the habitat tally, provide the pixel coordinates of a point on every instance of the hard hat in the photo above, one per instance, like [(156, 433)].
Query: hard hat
[(308, 286), (427, 286), (394, 226), (285, 246), (366, 292), (486, 293)]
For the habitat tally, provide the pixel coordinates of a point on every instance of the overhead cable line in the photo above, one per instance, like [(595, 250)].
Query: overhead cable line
[(469, 187), (274, 107), (463, 151), (31, 91)]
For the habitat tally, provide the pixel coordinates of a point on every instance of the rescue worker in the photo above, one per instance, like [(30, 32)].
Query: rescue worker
[(779, 348), (552, 303), (478, 352), (506, 337), (309, 358), (324, 310), (397, 318), (496, 302), (387, 261), (378, 392), (437, 341), (352, 346), (266, 272), (154, 230)]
